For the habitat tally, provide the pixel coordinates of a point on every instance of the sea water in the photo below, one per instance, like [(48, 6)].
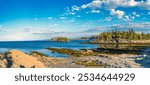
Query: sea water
[(28, 46)]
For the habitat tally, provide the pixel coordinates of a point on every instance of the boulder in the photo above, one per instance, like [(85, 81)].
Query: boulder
[(18, 59)]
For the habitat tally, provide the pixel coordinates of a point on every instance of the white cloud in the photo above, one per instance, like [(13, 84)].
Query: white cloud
[(137, 15), (114, 4), (97, 30), (132, 17), (88, 32), (145, 5), (119, 14), (93, 5), (142, 26), (25, 33), (63, 17), (72, 10), (134, 13), (111, 4), (69, 11), (108, 19), (130, 3), (73, 13), (75, 8), (95, 11), (127, 18)]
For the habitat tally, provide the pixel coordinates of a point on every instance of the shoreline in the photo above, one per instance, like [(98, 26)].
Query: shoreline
[(101, 61), (97, 61), (134, 43), (123, 60)]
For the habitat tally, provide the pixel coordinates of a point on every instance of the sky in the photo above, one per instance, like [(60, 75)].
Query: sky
[(44, 19)]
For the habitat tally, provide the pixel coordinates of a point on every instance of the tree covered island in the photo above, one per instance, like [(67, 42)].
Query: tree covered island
[(126, 37), (60, 39)]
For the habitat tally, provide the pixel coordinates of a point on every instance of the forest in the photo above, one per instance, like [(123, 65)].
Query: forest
[(115, 36)]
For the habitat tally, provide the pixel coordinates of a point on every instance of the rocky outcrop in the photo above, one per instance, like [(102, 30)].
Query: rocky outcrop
[(100, 61), (3, 61), (18, 59), (119, 61), (47, 61)]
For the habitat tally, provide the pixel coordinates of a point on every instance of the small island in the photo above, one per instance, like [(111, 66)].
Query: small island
[(60, 39)]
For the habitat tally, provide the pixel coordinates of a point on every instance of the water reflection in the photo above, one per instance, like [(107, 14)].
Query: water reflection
[(142, 49)]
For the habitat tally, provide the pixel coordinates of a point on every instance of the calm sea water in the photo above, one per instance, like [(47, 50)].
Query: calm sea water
[(27, 46)]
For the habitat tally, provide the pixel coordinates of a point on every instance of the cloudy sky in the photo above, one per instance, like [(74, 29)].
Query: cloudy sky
[(43, 19)]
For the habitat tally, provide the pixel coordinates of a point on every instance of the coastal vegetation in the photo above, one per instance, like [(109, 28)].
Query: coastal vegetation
[(60, 39), (91, 63), (76, 53), (38, 53), (98, 57), (116, 36)]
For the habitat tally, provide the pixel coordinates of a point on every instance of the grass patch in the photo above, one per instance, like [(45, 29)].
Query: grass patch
[(38, 53), (76, 53)]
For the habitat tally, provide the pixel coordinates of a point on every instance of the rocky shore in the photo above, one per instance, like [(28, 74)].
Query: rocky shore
[(117, 41), (101, 61), (92, 58), (18, 59)]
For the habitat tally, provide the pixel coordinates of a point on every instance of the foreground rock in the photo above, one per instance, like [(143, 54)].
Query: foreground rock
[(118, 60), (47, 61), (90, 58), (101, 61), (3, 61), (18, 59)]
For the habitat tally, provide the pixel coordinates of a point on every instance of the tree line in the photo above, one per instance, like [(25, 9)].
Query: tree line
[(130, 35)]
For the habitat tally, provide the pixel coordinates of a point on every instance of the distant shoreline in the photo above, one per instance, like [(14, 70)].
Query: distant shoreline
[(132, 42)]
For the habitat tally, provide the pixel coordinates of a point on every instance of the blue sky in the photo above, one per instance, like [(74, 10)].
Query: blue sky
[(43, 19)]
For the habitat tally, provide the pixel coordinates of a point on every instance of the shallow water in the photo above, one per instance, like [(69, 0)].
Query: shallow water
[(145, 59), (27, 46)]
